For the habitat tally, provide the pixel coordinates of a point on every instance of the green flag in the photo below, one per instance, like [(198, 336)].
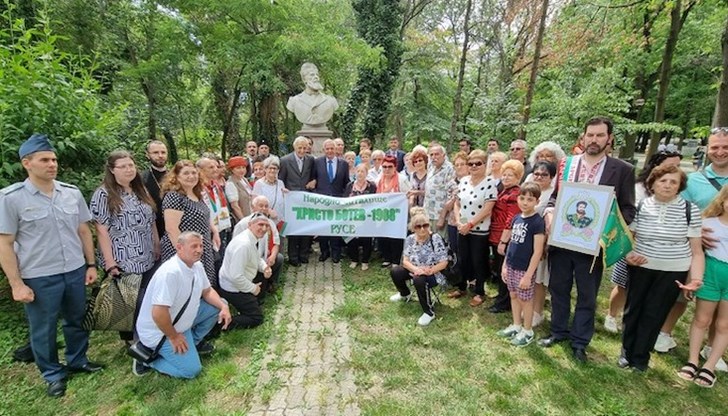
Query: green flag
[(616, 240)]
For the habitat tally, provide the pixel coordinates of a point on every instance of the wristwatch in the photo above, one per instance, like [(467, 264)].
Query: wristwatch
[(90, 265)]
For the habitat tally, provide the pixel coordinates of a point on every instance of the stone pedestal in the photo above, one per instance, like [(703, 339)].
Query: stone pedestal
[(318, 136)]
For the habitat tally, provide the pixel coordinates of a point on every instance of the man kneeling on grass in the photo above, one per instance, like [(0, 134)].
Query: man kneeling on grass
[(525, 243), (178, 310)]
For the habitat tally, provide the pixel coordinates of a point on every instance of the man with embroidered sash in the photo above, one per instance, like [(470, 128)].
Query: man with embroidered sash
[(567, 266)]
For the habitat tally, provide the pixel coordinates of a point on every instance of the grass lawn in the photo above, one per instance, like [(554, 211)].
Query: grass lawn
[(456, 366)]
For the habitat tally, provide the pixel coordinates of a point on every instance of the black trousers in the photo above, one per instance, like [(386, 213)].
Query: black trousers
[(567, 267), (366, 249), (391, 249), (298, 247), (503, 300), (473, 260), (650, 296), (422, 284), (331, 246), (249, 314)]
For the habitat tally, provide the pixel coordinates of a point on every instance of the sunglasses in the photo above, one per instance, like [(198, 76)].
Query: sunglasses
[(475, 164), (421, 226), (387, 166), (541, 174)]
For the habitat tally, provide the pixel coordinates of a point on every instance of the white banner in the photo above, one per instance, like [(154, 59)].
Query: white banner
[(373, 215)]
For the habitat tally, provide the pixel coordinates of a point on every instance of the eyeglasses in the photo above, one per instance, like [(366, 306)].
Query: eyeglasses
[(421, 226), (513, 149), (418, 160), (387, 166), (541, 174), (475, 164), (716, 130)]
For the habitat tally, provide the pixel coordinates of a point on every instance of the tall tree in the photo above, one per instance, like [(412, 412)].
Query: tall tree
[(720, 116), (526, 115), (457, 101)]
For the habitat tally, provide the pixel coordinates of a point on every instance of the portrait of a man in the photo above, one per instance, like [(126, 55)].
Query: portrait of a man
[(579, 218)]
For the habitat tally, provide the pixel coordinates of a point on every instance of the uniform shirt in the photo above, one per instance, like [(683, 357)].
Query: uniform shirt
[(662, 233), (520, 248), (241, 264), (45, 228), (171, 286)]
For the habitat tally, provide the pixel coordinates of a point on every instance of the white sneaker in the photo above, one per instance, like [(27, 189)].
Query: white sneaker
[(364, 267), (537, 319), (665, 342), (720, 365), (510, 331), (352, 265), (425, 319), (610, 324), (398, 298)]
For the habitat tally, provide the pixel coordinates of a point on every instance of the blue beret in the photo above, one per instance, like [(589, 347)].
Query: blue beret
[(35, 143)]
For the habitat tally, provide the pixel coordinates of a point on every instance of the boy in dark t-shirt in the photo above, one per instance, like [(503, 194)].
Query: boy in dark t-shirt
[(525, 244)]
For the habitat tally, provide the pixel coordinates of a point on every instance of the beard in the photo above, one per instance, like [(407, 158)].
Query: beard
[(315, 85), (595, 149)]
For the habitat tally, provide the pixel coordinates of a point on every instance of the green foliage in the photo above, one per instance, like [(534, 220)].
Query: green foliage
[(378, 23), (48, 91)]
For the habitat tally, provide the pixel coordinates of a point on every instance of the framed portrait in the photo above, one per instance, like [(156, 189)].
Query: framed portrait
[(580, 215)]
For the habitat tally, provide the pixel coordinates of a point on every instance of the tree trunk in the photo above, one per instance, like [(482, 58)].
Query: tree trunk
[(225, 98), (172, 146), (457, 102), (266, 119), (677, 18), (534, 71), (720, 117)]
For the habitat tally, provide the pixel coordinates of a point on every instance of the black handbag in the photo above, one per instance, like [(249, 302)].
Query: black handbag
[(141, 352)]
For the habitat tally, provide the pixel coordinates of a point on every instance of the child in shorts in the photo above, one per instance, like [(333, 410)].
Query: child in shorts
[(711, 295), (525, 244)]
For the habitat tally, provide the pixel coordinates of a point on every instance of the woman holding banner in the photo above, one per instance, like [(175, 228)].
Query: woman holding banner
[(360, 186), (391, 182)]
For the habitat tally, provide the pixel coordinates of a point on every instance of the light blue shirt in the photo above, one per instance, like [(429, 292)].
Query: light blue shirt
[(699, 190)]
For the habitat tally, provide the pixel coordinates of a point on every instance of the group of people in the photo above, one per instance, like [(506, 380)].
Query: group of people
[(201, 241)]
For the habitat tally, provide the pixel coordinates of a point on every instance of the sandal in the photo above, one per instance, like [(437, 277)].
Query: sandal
[(705, 378), (688, 371), (476, 301), (455, 294)]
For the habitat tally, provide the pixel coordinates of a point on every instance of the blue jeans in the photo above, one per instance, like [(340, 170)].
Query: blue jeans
[(58, 295), (187, 365)]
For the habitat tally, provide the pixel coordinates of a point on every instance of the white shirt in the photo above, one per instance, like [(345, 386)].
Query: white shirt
[(242, 225), (241, 264), (170, 286)]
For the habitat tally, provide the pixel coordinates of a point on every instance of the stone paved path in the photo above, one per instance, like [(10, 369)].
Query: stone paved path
[(306, 368)]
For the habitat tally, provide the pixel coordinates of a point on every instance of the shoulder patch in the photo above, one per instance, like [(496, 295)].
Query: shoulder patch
[(12, 188), (67, 185)]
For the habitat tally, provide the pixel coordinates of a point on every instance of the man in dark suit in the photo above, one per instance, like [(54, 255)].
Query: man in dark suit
[(331, 175), (395, 151), (296, 173), (568, 266)]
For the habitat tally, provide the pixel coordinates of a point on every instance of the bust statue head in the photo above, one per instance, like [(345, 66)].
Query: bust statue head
[(310, 77)]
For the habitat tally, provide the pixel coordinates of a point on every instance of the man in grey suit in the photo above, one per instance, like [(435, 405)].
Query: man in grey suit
[(296, 173)]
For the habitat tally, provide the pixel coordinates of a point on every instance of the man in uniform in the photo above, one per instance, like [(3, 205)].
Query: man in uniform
[(47, 253)]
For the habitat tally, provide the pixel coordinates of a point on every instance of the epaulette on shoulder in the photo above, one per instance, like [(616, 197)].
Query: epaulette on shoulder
[(12, 188), (67, 185)]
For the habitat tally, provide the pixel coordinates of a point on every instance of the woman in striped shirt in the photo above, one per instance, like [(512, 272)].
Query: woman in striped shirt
[(667, 246)]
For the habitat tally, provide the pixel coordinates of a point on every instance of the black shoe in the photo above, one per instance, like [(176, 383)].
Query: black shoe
[(323, 257), (139, 368), (205, 348), (336, 260), (57, 388), (498, 309), (304, 260), (89, 367), (24, 354), (294, 263), (579, 354), (549, 341)]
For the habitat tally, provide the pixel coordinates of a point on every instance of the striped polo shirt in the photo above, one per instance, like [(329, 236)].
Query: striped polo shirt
[(661, 233)]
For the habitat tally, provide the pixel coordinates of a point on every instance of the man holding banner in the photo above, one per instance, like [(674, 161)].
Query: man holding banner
[(568, 266), (331, 175)]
